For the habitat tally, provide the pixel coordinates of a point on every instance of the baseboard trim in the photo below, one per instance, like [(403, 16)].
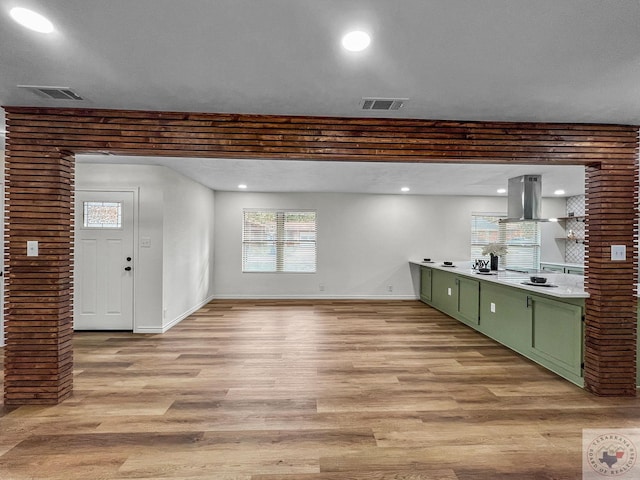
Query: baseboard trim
[(148, 330), (176, 320), (314, 297)]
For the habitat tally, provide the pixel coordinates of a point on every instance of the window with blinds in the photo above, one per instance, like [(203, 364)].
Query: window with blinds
[(521, 238), (279, 241)]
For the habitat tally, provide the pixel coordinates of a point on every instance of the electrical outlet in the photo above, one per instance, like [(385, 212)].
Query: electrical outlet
[(389, 288), (321, 287)]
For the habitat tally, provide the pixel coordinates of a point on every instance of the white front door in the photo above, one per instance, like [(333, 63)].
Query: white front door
[(103, 274)]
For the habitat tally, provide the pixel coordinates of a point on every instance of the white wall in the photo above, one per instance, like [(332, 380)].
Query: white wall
[(364, 242), (553, 243), (176, 215), (188, 247), (148, 181)]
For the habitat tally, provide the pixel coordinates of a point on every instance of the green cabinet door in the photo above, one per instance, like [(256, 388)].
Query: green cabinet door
[(505, 316), (444, 292), (425, 284), (468, 301), (556, 336)]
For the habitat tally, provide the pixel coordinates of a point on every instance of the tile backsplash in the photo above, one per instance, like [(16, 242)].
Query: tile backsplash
[(574, 250)]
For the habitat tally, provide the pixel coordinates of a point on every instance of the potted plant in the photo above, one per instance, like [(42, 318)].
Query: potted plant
[(495, 250)]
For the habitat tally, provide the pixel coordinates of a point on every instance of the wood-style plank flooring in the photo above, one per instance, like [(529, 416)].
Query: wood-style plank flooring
[(301, 390)]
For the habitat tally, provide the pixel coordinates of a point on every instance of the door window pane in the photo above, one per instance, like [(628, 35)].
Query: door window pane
[(102, 215)]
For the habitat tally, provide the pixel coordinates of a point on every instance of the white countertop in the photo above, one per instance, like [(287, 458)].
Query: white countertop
[(568, 286)]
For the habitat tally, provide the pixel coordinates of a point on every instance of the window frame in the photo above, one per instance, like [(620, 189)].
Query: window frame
[(508, 261), (280, 241)]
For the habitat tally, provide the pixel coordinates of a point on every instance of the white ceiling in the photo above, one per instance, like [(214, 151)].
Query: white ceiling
[(512, 60)]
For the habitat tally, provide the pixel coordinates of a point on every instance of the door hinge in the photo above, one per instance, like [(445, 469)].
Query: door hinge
[(582, 365), (583, 318)]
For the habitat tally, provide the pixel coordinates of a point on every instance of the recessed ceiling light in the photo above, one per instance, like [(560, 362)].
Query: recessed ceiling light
[(405, 189), (31, 20), (559, 192), (502, 190), (356, 41), (242, 186)]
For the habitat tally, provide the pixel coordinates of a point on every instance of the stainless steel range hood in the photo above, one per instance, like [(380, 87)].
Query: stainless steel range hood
[(524, 199)]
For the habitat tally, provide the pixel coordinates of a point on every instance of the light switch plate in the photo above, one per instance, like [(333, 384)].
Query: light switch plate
[(145, 242), (32, 248), (618, 252), (449, 291), (493, 307)]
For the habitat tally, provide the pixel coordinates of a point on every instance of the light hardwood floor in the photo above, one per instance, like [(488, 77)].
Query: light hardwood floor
[(307, 390)]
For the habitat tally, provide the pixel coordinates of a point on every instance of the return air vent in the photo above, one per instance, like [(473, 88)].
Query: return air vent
[(57, 93), (369, 103)]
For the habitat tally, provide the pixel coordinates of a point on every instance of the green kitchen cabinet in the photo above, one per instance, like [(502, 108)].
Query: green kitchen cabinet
[(541, 327), (574, 270), (561, 268), (425, 284), (505, 316), (552, 268), (468, 310), (457, 296), (444, 292), (557, 335), (544, 329)]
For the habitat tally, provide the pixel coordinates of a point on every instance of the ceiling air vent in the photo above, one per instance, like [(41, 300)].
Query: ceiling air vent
[(57, 93), (383, 103)]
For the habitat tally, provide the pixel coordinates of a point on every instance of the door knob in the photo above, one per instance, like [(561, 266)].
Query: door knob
[(128, 259), (127, 269)]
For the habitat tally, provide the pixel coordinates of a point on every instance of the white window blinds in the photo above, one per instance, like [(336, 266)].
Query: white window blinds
[(279, 241), (521, 238)]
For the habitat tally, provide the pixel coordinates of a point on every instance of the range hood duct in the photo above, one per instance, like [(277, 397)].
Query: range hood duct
[(524, 199)]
